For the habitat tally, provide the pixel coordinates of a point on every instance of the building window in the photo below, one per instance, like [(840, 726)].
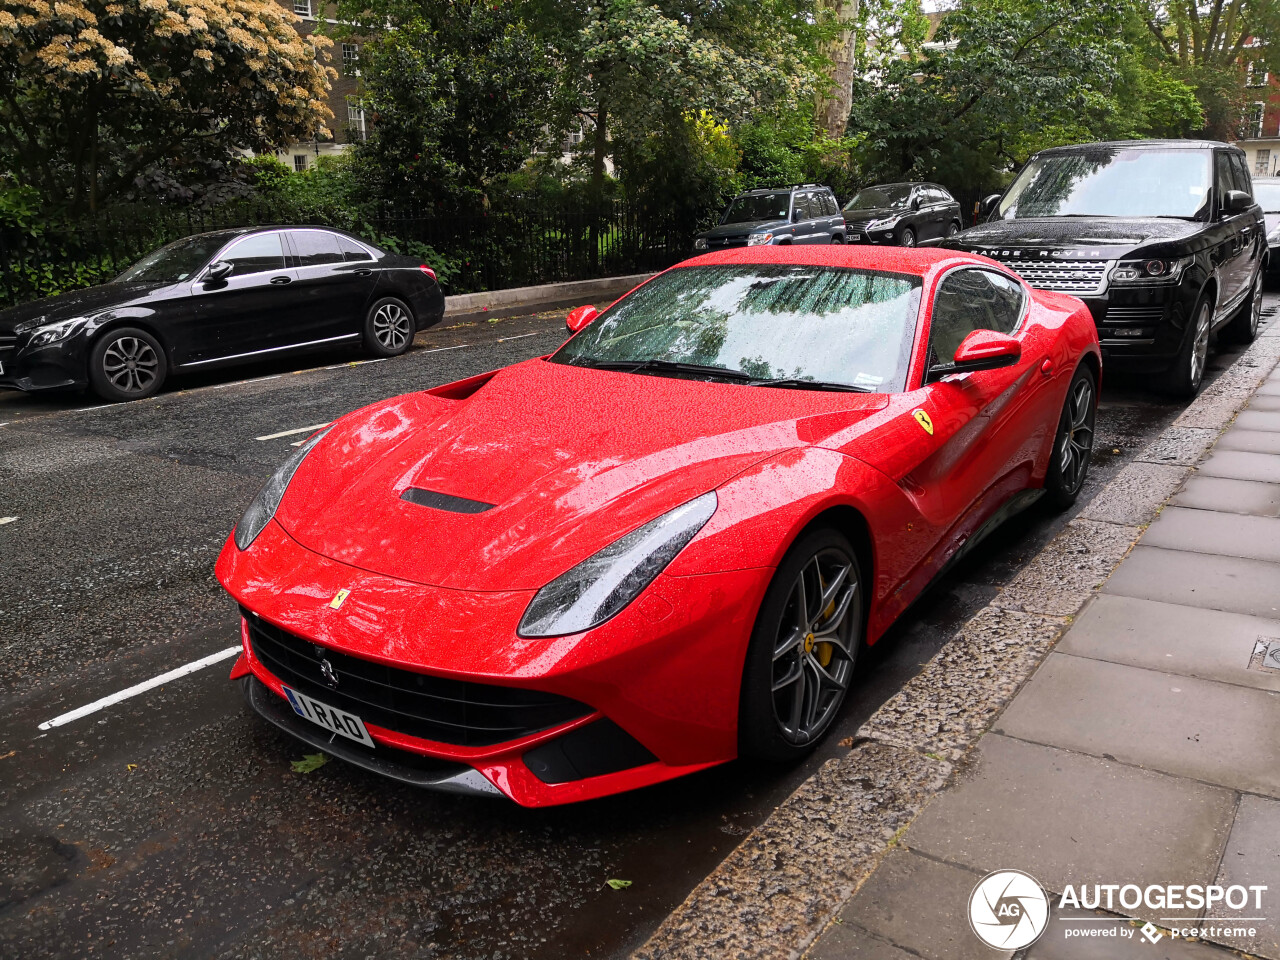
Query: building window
[(351, 59), (1254, 130), (1256, 74), (355, 121), (572, 141), (1262, 167), (302, 7), (299, 162)]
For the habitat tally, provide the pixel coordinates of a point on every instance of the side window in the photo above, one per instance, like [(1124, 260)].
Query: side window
[(256, 254), (1223, 176), (829, 205), (315, 247), (970, 300), (351, 250), (1243, 180), (803, 208)]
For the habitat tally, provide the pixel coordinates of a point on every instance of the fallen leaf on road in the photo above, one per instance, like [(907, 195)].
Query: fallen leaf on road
[(309, 762), (131, 767), (618, 884), (8, 755)]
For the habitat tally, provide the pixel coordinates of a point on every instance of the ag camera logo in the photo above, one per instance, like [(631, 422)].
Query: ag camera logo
[(1008, 910)]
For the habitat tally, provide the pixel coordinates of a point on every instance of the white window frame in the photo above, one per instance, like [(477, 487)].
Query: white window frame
[(1256, 75), (303, 8), (299, 163), (1257, 115), (356, 119)]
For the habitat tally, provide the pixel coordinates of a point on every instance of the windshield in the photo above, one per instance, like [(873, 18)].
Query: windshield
[(762, 206), (176, 262), (767, 321), (890, 196), (1267, 194), (1111, 182)]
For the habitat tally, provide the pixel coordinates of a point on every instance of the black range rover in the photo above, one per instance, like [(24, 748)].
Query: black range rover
[(1161, 238)]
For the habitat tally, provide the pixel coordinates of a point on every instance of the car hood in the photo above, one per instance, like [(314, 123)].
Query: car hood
[(569, 458), (1111, 237), (881, 213), (742, 228), (77, 303)]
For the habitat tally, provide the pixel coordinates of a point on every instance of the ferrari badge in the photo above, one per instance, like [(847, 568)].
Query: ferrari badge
[(340, 597), (922, 418)]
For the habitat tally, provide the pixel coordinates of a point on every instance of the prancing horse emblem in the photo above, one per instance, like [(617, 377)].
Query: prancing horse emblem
[(339, 599), (327, 672)]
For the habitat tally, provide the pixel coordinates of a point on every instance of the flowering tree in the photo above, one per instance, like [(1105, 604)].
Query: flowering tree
[(95, 92)]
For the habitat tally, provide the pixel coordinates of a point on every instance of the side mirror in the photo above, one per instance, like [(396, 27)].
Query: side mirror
[(988, 205), (1234, 201), (218, 270), (982, 350), (579, 317), (915, 203)]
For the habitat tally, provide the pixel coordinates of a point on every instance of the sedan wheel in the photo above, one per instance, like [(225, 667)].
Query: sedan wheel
[(389, 328), (803, 649), (127, 364)]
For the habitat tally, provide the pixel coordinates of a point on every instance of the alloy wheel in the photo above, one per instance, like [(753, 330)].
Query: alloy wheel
[(908, 238), (813, 651), (1200, 347), (392, 326), (1255, 307), (1077, 440), (130, 365)]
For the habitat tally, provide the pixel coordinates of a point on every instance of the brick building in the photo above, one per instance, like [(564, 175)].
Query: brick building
[(1260, 129)]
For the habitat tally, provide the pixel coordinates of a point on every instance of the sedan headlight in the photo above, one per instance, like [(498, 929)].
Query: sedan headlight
[(268, 498), (755, 239), (55, 332), (603, 584), (888, 223), (1150, 271)]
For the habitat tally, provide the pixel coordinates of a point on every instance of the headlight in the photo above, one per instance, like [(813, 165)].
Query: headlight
[(755, 239), (1150, 271), (603, 584), (54, 332), (700, 243), (888, 223), (268, 498)]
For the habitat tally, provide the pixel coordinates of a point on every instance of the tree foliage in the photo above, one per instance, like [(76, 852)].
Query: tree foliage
[(94, 92)]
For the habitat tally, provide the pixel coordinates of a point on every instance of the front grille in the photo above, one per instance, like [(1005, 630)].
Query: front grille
[(1063, 276), (456, 712), (1146, 314), (720, 243)]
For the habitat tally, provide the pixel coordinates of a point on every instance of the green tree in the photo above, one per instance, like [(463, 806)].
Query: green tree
[(95, 92)]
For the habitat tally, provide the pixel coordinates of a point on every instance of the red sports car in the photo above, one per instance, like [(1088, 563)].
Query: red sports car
[(664, 545)]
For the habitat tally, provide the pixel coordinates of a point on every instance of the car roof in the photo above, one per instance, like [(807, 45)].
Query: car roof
[(915, 261), (1141, 145), (762, 191), (226, 234)]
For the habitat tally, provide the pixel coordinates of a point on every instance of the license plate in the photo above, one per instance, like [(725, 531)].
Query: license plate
[(331, 718)]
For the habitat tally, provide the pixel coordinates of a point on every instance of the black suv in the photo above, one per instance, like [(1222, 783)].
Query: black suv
[(804, 214), (1161, 238), (903, 214)]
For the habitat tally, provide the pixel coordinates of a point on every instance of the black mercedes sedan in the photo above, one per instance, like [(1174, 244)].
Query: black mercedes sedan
[(220, 298), (902, 214)]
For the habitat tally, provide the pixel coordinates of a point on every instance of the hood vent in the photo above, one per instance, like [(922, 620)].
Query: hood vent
[(442, 501)]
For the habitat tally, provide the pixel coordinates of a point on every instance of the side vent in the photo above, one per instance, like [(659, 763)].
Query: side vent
[(442, 501), (462, 389)]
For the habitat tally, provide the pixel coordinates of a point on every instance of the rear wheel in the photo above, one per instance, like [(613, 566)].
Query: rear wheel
[(803, 649), (952, 229), (127, 364), (1243, 327), (1187, 373), (906, 237), (388, 328), (837, 238), (1073, 443)]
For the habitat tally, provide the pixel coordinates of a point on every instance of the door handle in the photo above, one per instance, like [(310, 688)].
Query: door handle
[(1047, 368), (281, 280), (363, 272)]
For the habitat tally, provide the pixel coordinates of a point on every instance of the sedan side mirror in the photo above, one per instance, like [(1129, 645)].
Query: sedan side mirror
[(218, 270), (981, 350), (1234, 201), (579, 317)]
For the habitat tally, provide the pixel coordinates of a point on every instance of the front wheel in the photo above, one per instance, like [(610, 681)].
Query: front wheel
[(1073, 443), (952, 229), (127, 364), (907, 237), (803, 649), (1187, 373), (388, 328)]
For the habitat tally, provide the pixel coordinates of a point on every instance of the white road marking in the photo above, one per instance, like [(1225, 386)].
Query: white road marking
[(521, 337), (458, 347), (4, 520), (143, 687), (294, 432)]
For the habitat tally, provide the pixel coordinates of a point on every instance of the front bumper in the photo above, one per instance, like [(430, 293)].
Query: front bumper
[(1141, 328), (52, 367), (660, 681)]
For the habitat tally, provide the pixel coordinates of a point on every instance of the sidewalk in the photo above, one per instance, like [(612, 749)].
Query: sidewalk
[(1144, 750)]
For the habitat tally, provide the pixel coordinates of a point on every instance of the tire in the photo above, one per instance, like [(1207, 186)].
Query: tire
[(388, 328), (127, 364), (1243, 327), (787, 642), (1187, 373), (837, 238), (1073, 442), (906, 237), (952, 229)]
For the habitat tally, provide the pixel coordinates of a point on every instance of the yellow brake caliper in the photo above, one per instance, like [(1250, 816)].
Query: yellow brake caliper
[(822, 649)]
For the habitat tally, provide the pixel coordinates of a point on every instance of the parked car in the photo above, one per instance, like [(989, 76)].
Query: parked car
[(1161, 238), (804, 214), (1266, 190), (218, 299), (902, 214), (663, 546)]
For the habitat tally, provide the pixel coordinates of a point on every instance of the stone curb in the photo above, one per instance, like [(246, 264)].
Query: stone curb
[(760, 905), (495, 303)]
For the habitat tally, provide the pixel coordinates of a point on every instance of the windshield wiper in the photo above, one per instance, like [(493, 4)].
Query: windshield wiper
[(668, 366), (798, 383)]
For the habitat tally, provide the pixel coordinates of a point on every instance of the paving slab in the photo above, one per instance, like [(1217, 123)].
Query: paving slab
[(1135, 494), (1188, 641), (1258, 420), (1215, 732), (1250, 441), (1179, 445), (921, 905), (848, 941), (1065, 938), (1270, 388), (1253, 857), (1230, 496), (1241, 465), (1265, 402), (1066, 818), (1199, 580), (1227, 534)]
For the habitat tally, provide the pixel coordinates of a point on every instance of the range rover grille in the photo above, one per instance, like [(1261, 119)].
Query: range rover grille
[(1062, 276)]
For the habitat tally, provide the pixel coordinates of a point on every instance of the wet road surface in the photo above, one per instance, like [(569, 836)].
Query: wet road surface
[(172, 824)]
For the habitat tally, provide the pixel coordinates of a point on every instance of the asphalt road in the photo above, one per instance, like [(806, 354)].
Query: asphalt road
[(172, 823)]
